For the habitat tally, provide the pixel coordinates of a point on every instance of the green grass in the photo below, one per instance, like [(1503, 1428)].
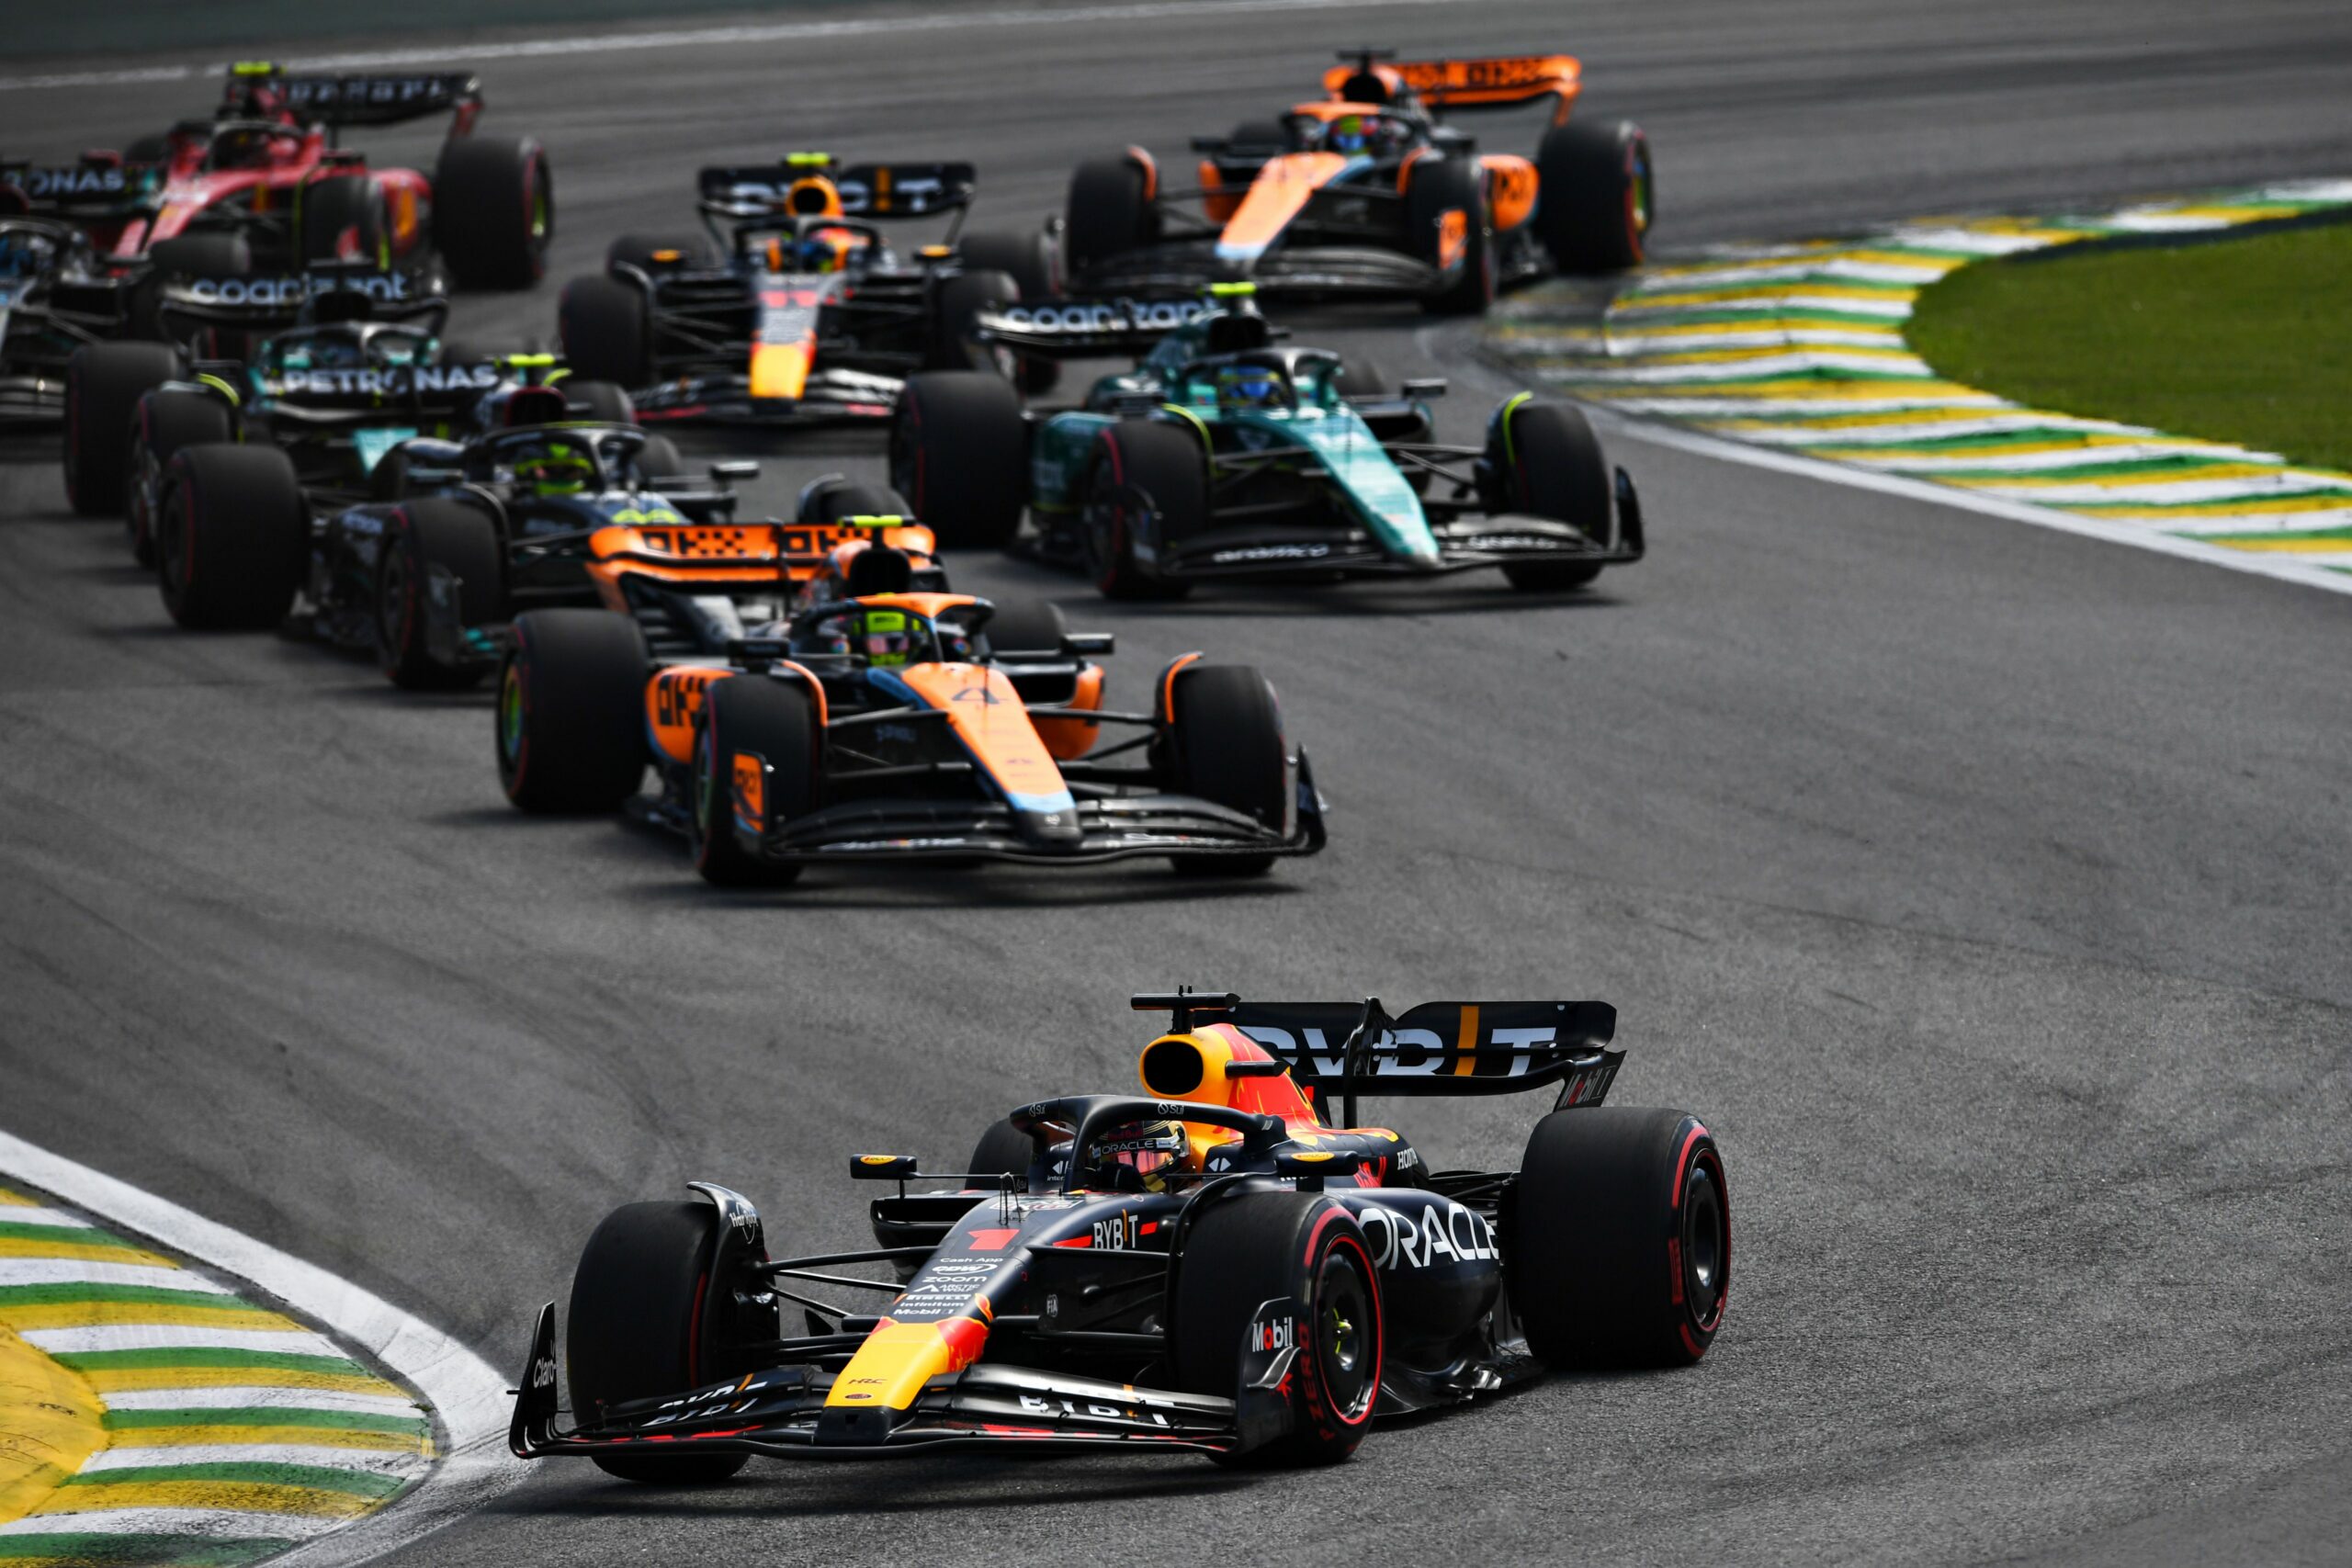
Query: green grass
[(2245, 339)]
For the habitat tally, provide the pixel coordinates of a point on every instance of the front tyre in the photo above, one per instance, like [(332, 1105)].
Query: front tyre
[(1148, 489), (1258, 1246), (1446, 208), (164, 422), (1617, 1244), (606, 329), (1548, 463), (571, 711), (103, 382), (642, 1324), (493, 210), (959, 453), (1224, 743), (419, 537), (233, 538), (746, 720)]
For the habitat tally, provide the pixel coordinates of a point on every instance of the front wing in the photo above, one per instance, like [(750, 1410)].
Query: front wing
[(1291, 270), (831, 397), (784, 1414)]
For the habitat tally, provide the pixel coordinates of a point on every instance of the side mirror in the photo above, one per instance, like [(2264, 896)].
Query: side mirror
[(1426, 387), (726, 473), (882, 1167), (1079, 644), (416, 476)]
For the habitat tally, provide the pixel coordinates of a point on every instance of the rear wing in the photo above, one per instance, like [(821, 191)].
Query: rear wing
[(340, 101), (1078, 328), (1490, 83), (864, 191), (260, 304), (1349, 1048), (92, 189)]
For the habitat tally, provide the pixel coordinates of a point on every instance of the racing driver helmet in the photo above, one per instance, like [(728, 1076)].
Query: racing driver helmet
[(1249, 386), (559, 465)]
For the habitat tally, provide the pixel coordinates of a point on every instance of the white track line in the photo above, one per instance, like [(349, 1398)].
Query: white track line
[(465, 1391), (2145, 536), (701, 38)]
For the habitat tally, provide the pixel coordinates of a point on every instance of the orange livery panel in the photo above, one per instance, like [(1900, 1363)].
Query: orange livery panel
[(1510, 189)]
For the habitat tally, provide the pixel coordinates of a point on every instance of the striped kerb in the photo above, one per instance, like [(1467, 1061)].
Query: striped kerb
[(1800, 348), (205, 1429)]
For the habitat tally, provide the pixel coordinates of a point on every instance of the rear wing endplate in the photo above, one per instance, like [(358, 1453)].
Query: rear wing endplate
[(1078, 328)]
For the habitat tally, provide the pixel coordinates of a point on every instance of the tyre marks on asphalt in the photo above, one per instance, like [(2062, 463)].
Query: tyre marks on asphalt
[(182, 1423), (1800, 348)]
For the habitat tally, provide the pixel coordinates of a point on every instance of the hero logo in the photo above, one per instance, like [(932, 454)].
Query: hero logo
[(418, 378), (291, 290), (1274, 1334), (86, 181), (1451, 1232), (1164, 315)]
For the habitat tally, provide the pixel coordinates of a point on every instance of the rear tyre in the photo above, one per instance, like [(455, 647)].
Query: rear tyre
[(1108, 214), (1442, 188), (182, 256), (571, 711), (420, 534), (1255, 1247), (233, 538), (1003, 1150), (1617, 1244), (1149, 477), (1366, 379), (1550, 465), (837, 498), (638, 250), (606, 331), (1224, 743), (604, 401), (777, 721), (659, 461), (162, 424), (103, 382), (341, 219), (1033, 626), (1035, 264), (1596, 197), (493, 210), (961, 301), (641, 1324), (959, 452)]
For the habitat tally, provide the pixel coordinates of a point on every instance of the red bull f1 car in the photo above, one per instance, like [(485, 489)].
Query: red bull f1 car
[(264, 183), (1229, 1263), (1367, 193), (795, 307)]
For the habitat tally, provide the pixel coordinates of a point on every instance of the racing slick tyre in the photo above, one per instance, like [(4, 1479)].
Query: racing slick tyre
[(233, 535), (571, 711), (1109, 212), (341, 219), (959, 452), (776, 720), (639, 251), (1617, 1240), (604, 401), (1362, 377), (958, 305), (183, 256), (1224, 743), (1003, 1150), (103, 382), (1442, 188), (163, 424), (435, 531), (1253, 1248), (641, 1324), (833, 497), (493, 210), (1031, 627), (1033, 262), (1143, 468), (1550, 465), (606, 331), (659, 461), (1597, 196)]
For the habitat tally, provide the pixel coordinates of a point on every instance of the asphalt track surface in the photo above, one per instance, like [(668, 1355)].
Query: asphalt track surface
[(1985, 887)]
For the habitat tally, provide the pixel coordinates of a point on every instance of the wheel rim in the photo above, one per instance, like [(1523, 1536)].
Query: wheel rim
[(394, 610), (1347, 1330), (1705, 1241), (174, 549), (142, 495), (1104, 519), (703, 785), (1637, 199)]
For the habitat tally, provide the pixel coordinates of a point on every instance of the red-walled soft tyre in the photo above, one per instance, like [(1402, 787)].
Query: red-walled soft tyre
[(571, 711), (1617, 1244), (960, 451), (232, 537), (1257, 1246)]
